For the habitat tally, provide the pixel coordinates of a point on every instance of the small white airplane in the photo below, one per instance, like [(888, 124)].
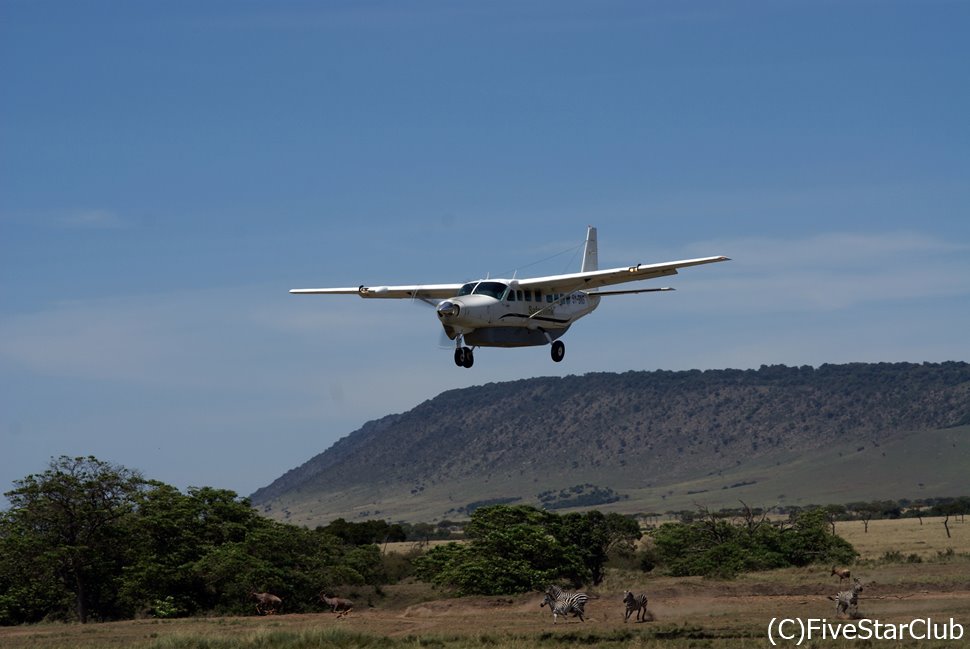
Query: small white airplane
[(520, 312)]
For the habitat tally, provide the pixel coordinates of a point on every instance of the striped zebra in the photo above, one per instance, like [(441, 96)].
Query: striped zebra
[(562, 602), (636, 603), (847, 601)]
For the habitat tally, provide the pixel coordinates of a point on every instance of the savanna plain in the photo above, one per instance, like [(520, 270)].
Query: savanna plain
[(910, 570)]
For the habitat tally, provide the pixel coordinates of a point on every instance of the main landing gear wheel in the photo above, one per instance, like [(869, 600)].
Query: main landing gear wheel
[(464, 357), (558, 350)]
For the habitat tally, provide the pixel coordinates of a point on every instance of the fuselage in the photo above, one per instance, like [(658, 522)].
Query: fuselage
[(500, 313)]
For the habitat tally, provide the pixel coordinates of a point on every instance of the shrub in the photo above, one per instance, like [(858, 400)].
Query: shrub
[(714, 547)]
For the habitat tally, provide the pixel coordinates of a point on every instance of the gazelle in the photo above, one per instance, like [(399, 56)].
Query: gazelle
[(337, 605), (266, 603)]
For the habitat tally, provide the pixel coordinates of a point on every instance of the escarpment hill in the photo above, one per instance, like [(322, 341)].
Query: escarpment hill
[(649, 442)]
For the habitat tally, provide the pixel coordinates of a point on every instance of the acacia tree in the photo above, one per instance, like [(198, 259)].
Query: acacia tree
[(864, 511), (595, 535), (70, 524)]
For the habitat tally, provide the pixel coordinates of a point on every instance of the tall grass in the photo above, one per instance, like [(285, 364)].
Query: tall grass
[(336, 638), (672, 637)]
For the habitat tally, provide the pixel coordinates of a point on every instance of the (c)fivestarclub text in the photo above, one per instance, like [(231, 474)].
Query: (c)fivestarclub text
[(798, 630)]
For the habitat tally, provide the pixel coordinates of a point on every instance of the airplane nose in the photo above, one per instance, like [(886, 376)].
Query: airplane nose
[(448, 309)]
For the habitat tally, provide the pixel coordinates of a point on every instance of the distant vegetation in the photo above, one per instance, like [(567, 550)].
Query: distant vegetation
[(584, 495), (478, 504)]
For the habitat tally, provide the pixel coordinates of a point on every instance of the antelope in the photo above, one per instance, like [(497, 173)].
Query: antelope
[(344, 606), (266, 603), (843, 573)]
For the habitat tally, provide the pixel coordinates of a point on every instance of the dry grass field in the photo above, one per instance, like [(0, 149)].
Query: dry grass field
[(686, 612), (906, 536)]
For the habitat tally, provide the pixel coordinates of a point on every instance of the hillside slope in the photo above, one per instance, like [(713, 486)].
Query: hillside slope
[(648, 439)]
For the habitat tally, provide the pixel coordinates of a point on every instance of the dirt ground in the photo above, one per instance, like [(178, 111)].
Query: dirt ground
[(728, 610)]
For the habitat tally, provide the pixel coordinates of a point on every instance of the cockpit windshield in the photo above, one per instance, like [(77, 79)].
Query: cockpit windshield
[(491, 289)]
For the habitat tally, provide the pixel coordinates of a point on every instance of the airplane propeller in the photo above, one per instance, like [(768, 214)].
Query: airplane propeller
[(443, 341)]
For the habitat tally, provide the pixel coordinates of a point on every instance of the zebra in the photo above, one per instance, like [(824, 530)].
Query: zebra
[(636, 603), (847, 601), (562, 602)]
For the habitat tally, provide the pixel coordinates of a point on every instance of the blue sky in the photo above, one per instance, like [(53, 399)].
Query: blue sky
[(168, 170)]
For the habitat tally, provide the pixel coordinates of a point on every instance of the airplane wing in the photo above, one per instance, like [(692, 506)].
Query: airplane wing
[(591, 280), (415, 292), (567, 283)]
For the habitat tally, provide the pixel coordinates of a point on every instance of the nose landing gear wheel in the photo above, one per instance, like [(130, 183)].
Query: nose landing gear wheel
[(558, 351), (464, 357)]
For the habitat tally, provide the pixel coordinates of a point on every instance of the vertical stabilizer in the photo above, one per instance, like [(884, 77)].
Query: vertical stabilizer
[(590, 254)]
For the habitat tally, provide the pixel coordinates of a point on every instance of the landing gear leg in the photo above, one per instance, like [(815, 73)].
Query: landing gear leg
[(459, 352)]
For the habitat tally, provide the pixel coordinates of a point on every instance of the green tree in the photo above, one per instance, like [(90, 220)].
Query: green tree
[(593, 535), (89, 540), (208, 549), (167, 536), (517, 548), (173, 535), (808, 541), (69, 527)]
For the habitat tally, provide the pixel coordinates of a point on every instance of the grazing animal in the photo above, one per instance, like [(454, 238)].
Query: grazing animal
[(843, 573), (562, 602), (267, 603), (337, 605), (847, 601), (636, 603)]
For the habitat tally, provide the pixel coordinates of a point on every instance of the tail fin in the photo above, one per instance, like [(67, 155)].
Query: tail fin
[(590, 254)]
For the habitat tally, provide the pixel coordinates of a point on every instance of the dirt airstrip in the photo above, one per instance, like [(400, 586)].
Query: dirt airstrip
[(727, 610)]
